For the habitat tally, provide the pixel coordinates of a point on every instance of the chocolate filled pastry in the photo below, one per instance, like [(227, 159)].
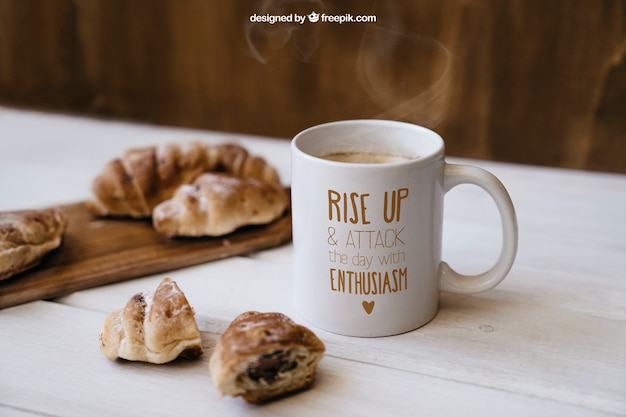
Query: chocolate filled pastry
[(262, 356), (133, 184), (26, 236), (153, 327), (217, 204)]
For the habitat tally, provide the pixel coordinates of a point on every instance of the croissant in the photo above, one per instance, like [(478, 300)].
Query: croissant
[(153, 327), (262, 356), (143, 177), (26, 236), (217, 204), (235, 160)]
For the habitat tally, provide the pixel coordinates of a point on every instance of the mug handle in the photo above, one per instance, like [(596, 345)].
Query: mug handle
[(452, 281)]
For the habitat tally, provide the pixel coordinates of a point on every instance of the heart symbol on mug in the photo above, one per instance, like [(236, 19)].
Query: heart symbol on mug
[(368, 306)]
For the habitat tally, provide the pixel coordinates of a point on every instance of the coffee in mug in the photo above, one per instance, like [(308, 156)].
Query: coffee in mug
[(364, 157), (367, 210)]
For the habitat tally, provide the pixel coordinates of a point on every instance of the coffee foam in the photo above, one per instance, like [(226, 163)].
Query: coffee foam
[(365, 157)]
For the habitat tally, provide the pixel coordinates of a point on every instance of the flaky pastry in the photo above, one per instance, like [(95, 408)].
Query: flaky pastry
[(262, 356), (26, 236), (217, 204), (132, 185), (153, 327)]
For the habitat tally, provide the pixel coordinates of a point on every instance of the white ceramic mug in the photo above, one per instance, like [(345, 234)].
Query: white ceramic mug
[(367, 236)]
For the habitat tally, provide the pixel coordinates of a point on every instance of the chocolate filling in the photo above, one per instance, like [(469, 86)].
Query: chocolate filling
[(268, 366)]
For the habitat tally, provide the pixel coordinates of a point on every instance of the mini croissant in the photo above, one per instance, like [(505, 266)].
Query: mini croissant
[(143, 177), (217, 204), (153, 327)]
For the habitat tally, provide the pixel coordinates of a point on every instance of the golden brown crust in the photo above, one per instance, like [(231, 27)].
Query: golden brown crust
[(253, 331), (262, 356), (218, 204), (135, 183), (143, 177), (26, 236), (235, 160), (153, 327)]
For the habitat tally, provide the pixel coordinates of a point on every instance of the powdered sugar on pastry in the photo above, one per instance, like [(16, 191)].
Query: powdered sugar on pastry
[(218, 204), (26, 236), (154, 327), (262, 356), (133, 184)]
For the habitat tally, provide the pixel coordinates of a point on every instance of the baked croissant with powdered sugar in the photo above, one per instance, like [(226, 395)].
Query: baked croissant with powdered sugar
[(155, 327), (217, 204), (26, 236), (135, 183), (263, 356)]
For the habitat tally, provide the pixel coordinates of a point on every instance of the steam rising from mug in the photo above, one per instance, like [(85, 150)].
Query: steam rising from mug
[(408, 98), (264, 37), (405, 74)]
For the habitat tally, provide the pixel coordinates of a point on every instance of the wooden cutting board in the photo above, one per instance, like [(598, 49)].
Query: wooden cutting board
[(103, 251)]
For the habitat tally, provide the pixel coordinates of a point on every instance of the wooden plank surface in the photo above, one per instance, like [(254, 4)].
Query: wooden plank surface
[(528, 336), (98, 251), (100, 387), (548, 341)]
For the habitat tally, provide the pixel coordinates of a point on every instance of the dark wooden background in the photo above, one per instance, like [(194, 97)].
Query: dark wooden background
[(537, 81)]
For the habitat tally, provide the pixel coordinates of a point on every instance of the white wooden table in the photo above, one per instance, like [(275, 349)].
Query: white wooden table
[(550, 340)]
